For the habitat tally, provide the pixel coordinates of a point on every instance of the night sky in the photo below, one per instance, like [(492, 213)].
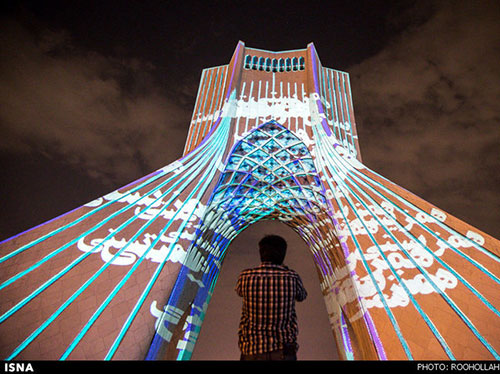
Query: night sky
[(96, 94)]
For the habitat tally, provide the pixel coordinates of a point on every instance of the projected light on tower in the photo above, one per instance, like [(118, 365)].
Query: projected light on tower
[(273, 136)]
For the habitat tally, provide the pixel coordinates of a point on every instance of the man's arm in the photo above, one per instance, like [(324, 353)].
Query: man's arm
[(238, 288), (301, 291)]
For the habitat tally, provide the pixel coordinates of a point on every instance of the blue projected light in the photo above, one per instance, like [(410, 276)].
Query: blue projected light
[(269, 174), (270, 169)]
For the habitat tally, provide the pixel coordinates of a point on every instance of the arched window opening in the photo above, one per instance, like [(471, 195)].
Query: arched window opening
[(248, 61), (302, 64), (281, 64), (288, 65), (275, 65), (295, 64), (268, 64), (261, 63), (255, 63)]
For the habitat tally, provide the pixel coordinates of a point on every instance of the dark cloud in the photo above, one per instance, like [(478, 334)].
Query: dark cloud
[(428, 110), (102, 114)]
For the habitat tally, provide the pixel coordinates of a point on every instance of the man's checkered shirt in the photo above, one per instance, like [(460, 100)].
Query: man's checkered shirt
[(268, 318)]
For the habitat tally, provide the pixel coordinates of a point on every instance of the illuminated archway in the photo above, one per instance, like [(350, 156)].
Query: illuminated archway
[(222, 318), (269, 174)]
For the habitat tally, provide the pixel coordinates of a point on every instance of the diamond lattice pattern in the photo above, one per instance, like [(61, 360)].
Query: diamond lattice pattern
[(270, 173)]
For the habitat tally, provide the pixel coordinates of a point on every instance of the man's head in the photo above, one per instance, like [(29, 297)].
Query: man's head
[(272, 249)]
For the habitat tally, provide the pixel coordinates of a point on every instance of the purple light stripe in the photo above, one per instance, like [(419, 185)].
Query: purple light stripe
[(318, 101), (232, 73), (366, 316), (374, 334)]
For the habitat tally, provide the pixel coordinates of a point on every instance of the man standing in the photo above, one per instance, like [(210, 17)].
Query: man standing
[(268, 327)]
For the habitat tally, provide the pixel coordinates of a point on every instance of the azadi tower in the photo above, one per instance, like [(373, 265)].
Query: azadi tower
[(272, 137)]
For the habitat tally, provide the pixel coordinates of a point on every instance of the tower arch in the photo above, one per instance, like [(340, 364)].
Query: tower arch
[(269, 174), (221, 322), (146, 256)]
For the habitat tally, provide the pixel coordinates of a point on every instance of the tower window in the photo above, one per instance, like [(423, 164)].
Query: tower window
[(274, 65), (248, 61), (268, 64), (302, 64), (255, 62), (261, 63)]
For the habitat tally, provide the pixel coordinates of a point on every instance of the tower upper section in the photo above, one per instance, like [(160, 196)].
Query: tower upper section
[(290, 87)]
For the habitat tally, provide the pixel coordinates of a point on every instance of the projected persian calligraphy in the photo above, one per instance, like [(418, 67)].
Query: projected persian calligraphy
[(130, 274)]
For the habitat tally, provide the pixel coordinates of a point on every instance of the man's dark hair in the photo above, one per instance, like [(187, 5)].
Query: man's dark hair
[(272, 249)]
